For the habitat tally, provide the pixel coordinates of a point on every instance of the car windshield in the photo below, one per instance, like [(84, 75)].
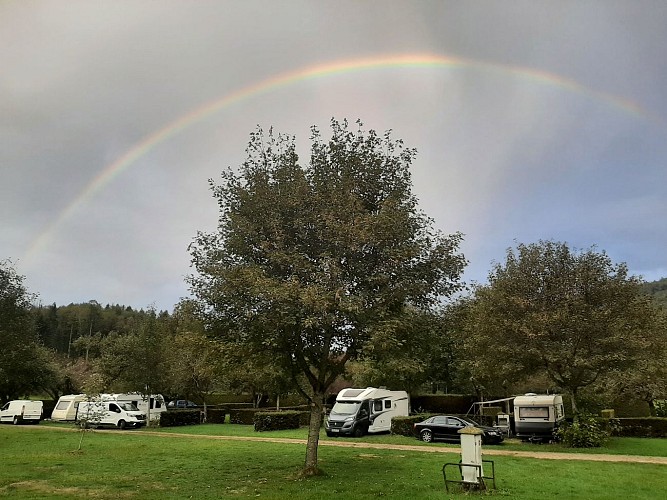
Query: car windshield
[(469, 421), (345, 408), (128, 407)]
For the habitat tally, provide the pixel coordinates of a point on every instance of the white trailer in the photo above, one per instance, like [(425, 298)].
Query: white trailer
[(369, 410), (110, 413), (67, 406), (537, 416), (22, 411)]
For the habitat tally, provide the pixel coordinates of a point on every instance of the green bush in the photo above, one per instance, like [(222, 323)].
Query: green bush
[(175, 418), (216, 415), (660, 407), (277, 420), (585, 431), (244, 416), (442, 403), (403, 426), (650, 427)]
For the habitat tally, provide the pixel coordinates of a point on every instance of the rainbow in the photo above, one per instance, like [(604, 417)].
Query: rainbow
[(316, 71)]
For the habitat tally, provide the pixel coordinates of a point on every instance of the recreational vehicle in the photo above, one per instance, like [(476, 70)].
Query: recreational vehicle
[(152, 404), (22, 411), (537, 416), (67, 406), (110, 413), (370, 410)]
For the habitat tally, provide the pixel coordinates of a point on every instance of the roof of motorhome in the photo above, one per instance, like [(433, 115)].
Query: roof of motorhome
[(361, 394), (537, 399)]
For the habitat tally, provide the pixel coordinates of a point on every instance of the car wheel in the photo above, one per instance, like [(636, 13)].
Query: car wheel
[(426, 435), (122, 424)]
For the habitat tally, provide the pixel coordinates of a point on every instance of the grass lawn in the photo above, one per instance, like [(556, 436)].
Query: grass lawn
[(42, 463), (615, 446)]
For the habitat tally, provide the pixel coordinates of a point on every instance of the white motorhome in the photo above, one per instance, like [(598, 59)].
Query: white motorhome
[(152, 404), (22, 411), (110, 413), (369, 410), (67, 406), (537, 416)]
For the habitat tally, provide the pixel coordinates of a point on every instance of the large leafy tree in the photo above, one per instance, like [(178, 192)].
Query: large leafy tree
[(309, 261), (19, 349), (573, 315)]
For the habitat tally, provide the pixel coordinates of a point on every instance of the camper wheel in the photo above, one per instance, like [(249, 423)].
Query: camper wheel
[(427, 436), (16, 420), (122, 424), (359, 431)]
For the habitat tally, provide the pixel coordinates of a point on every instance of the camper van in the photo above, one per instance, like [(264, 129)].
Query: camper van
[(110, 413), (21, 411), (537, 416), (369, 410), (66, 407), (148, 404)]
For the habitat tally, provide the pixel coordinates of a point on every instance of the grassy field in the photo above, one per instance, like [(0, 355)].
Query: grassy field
[(44, 463)]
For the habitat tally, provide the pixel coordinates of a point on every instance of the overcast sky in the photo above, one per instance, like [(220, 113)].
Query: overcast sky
[(532, 120)]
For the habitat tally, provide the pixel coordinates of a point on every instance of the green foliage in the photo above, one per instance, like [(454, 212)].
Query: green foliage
[(655, 427), (572, 315), (403, 426), (586, 431), (216, 415), (277, 420), (173, 418), (657, 290), (310, 264), (661, 408)]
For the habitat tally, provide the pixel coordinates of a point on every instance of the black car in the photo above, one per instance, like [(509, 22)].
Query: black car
[(447, 427), (181, 404)]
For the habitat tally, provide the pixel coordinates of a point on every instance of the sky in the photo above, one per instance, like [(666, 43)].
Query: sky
[(533, 120)]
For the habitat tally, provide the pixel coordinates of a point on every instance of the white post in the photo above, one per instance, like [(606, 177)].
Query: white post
[(471, 453)]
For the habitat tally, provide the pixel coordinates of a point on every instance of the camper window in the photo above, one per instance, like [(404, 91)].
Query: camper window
[(377, 405), (62, 405), (387, 404), (345, 408), (534, 412)]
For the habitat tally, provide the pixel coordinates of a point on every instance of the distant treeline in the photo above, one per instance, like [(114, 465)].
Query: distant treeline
[(59, 327)]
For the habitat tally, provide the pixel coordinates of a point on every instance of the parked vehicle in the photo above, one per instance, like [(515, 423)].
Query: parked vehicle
[(447, 427), (22, 411), (361, 411), (152, 404), (110, 413), (66, 407), (181, 404), (537, 416)]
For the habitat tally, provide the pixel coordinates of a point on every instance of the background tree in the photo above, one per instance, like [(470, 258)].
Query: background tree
[(308, 262), (573, 315), (19, 349)]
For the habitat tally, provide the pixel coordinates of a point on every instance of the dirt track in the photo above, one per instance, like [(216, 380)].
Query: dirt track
[(346, 443)]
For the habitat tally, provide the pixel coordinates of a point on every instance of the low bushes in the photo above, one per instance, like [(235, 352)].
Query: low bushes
[(654, 427), (179, 417), (277, 420), (403, 426)]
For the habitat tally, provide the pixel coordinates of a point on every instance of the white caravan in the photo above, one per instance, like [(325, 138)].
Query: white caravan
[(151, 405), (110, 413), (22, 411), (537, 416), (370, 410), (67, 406)]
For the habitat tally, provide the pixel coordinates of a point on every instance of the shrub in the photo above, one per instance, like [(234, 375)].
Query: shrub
[(403, 426), (650, 427), (276, 420), (216, 415), (585, 431), (180, 417), (660, 407)]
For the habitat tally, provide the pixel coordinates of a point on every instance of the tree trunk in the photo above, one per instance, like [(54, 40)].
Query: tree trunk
[(651, 407), (573, 395), (316, 407)]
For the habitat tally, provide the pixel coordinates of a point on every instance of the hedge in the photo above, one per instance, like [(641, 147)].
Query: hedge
[(216, 415), (442, 403), (175, 418), (650, 427), (276, 420)]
